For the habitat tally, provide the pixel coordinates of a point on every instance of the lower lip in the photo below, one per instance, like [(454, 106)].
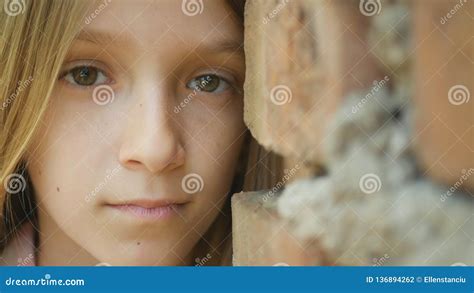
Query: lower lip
[(148, 213)]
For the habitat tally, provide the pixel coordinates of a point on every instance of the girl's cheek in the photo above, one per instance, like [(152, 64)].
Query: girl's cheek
[(215, 126)]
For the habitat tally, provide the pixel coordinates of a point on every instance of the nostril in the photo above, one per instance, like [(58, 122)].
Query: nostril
[(131, 164), (134, 162), (179, 157), (155, 160), (176, 159)]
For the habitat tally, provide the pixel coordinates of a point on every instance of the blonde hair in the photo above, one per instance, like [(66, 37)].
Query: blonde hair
[(33, 44), (35, 38)]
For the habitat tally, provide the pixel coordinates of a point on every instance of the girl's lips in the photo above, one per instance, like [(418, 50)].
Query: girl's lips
[(149, 209), (160, 212)]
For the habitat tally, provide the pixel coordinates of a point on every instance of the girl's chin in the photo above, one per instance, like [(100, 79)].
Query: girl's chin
[(142, 262), (142, 254)]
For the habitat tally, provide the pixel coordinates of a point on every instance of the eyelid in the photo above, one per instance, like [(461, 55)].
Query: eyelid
[(221, 72), (86, 62), (223, 80)]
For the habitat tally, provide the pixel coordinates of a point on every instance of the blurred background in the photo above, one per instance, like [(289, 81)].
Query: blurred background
[(369, 103)]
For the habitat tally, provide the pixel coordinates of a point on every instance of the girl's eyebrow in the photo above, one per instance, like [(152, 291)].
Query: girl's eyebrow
[(106, 38), (101, 38), (228, 46)]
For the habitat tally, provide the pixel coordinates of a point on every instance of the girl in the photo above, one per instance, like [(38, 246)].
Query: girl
[(122, 135)]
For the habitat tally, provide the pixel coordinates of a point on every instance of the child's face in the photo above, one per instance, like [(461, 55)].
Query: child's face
[(148, 96)]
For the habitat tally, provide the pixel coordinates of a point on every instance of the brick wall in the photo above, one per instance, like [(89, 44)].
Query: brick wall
[(376, 94)]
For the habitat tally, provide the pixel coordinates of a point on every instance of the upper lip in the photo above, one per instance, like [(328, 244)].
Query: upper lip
[(150, 203)]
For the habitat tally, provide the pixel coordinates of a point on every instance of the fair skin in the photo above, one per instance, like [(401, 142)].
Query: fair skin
[(135, 151)]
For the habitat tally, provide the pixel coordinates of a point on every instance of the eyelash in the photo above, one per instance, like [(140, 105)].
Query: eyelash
[(199, 84), (68, 73)]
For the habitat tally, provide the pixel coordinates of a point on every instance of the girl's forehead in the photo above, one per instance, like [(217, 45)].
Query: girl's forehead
[(148, 21)]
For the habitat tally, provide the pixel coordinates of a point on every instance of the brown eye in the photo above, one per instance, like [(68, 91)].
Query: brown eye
[(85, 76), (208, 83)]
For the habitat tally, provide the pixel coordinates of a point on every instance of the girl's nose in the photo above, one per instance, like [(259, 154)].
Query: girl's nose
[(151, 140)]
